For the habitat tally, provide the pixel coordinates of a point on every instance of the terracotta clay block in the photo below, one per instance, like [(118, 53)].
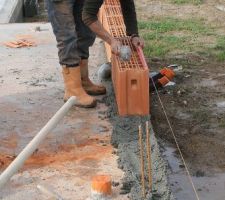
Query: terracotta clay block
[(112, 2), (130, 79), (137, 92), (120, 86), (131, 84), (108, 52), (106, 26), (100, 14)]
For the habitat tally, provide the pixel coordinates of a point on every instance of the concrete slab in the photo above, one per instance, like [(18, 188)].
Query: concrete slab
[(31, 92)]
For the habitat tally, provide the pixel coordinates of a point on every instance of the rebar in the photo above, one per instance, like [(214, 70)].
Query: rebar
[(148, 146), (142, 161)]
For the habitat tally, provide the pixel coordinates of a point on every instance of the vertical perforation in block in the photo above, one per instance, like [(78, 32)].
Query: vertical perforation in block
[(134, 62), (111, 2)]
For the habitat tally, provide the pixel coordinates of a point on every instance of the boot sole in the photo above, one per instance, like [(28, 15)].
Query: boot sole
[(93, 105), (95, 93)]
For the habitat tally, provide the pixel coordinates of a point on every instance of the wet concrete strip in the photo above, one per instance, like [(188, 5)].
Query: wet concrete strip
[(125, 138)]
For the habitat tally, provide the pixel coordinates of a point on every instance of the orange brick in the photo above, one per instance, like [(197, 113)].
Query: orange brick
[(101, 14), (131, 84), (130, 79)]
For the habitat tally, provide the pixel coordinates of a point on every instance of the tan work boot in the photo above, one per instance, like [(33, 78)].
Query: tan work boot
[(88, 86), (73, 87)]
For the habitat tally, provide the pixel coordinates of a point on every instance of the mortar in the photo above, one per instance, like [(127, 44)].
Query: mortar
[(125, 53)]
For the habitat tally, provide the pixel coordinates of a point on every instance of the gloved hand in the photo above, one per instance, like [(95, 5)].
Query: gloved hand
[(138, 42)]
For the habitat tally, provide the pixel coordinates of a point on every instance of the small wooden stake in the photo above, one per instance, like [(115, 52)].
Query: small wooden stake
[(148, 146), (142, 162)]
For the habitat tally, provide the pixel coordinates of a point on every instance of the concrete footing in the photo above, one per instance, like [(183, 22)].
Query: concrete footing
[(125, 139)]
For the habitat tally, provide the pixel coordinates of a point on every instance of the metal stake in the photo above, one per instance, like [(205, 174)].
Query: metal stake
[(148, 146), (142, 162)]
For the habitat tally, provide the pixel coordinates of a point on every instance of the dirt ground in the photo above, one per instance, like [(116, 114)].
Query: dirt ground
[(196, 109), (195, 105)]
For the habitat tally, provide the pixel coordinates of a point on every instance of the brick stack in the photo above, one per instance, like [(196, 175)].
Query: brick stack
[(130, 79)]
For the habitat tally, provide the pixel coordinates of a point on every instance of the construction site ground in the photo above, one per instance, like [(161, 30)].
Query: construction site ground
[(31, 92), (80, 146), (190, 34), (187, 33)]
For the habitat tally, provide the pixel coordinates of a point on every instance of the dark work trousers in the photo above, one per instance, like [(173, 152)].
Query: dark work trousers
[(73, 37)]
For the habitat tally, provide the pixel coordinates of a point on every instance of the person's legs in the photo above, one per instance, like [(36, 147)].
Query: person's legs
[(85, 39), (60, 14)]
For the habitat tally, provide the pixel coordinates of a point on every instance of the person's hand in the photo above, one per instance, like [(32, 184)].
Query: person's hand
[(115, 46), (138, 42)]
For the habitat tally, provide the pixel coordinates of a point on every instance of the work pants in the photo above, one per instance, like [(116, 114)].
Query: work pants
[(73, 37)]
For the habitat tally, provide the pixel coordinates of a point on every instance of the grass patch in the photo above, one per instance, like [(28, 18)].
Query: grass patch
[(220, 43), (164, 36), (180, 2), (221, 56), (219, 50), (173, 24), (161, 45), (222, 123)]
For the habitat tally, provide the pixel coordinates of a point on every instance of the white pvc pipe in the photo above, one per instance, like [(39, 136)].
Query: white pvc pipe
[(34, 143)]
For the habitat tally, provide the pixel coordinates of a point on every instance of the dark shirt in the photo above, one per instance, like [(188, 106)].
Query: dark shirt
[(91, 8)]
